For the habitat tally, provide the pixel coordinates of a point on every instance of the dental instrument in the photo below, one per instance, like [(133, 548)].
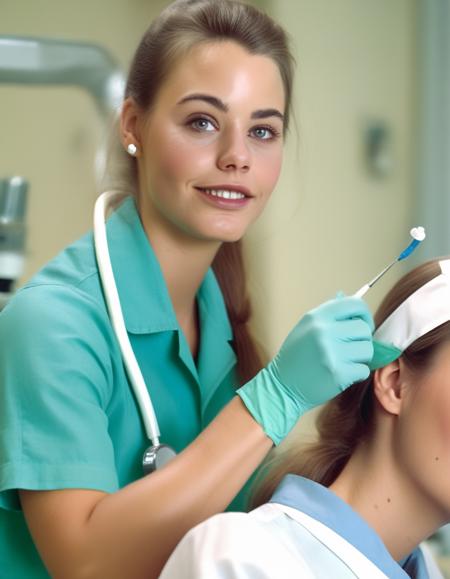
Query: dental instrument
[(418, 234)]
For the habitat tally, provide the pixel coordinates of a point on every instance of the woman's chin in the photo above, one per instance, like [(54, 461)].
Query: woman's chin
[(220, 234), (228, 237)]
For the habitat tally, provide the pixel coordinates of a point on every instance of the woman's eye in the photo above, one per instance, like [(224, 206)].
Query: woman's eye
[(202, 124), (265, 133)]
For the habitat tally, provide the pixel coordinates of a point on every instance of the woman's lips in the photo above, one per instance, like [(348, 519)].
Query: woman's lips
[(221, 196)]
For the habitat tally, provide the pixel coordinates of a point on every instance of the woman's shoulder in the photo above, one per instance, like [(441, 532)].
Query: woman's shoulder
[(69, 280), (63, 299), (233, 545), (54, 326), (73, 266), (237, 527)]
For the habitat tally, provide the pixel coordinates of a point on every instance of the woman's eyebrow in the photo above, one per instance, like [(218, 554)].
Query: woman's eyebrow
[(265, 113), (212, 100), (220, 105)]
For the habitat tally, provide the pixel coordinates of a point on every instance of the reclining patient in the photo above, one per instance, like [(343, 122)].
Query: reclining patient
[(360, 500)]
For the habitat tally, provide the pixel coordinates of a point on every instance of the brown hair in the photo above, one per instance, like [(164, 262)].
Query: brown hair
[(347, 420), (182, 25)]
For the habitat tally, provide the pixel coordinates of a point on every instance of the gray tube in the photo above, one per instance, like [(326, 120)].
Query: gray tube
[(48, 61)]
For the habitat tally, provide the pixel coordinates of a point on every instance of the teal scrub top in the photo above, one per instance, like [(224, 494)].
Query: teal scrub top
[(68, 417)]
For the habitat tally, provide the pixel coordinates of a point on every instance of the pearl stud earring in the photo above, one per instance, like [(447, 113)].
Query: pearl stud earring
[(132, 149)]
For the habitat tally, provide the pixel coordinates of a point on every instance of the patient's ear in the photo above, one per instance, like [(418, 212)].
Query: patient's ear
[(389, 386)]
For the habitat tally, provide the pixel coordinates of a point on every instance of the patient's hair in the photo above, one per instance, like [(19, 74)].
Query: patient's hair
[(181, 26), (348, 420)]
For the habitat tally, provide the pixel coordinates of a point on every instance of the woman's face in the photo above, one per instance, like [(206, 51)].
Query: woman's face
[(211, 146), (423, 432)]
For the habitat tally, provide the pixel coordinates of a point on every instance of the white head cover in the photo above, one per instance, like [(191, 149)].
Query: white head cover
[(425, 309)]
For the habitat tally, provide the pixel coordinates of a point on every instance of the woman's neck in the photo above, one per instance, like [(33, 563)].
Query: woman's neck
[(184, 262), (375, 486)]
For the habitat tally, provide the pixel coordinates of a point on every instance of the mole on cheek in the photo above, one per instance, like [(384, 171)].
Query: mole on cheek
[(436, 458), (388, 500)]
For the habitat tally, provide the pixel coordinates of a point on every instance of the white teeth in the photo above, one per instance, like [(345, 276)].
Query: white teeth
[(225, 194)]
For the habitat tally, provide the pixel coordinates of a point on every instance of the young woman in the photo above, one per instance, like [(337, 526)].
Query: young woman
[(197, 154), (357, 502)]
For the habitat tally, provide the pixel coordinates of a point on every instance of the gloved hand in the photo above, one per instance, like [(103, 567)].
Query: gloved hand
[(327, 351)]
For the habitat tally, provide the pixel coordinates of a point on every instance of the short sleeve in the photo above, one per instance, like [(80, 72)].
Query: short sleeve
[(56, 376)]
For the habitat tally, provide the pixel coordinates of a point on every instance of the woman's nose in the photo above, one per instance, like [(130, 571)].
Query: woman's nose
[(234, 154)]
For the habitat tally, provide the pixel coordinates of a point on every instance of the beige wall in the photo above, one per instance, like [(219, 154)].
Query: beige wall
[(331, 226)]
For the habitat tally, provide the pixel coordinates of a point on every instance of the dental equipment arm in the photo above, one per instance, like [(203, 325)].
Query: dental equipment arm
[(48, 61)]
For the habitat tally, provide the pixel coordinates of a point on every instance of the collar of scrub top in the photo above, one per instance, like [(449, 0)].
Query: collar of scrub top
[(322, 504), (146, 303), (423, 311)]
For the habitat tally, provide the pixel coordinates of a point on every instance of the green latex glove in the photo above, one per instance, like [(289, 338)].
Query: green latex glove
[(327, 351)]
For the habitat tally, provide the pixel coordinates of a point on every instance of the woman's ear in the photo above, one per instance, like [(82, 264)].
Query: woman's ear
[(389, 386), (130, 133)]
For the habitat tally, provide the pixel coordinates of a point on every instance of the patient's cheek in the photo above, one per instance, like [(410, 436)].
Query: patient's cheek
[(443, 422), (436, 427)]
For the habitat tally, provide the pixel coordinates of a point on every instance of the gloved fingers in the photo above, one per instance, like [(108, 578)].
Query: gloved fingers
[(353, 330), (358, 352), (355, 373), (351, 307), (344, 308)]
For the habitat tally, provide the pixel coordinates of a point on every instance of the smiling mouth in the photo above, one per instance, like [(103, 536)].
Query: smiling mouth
[(224, 193)]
